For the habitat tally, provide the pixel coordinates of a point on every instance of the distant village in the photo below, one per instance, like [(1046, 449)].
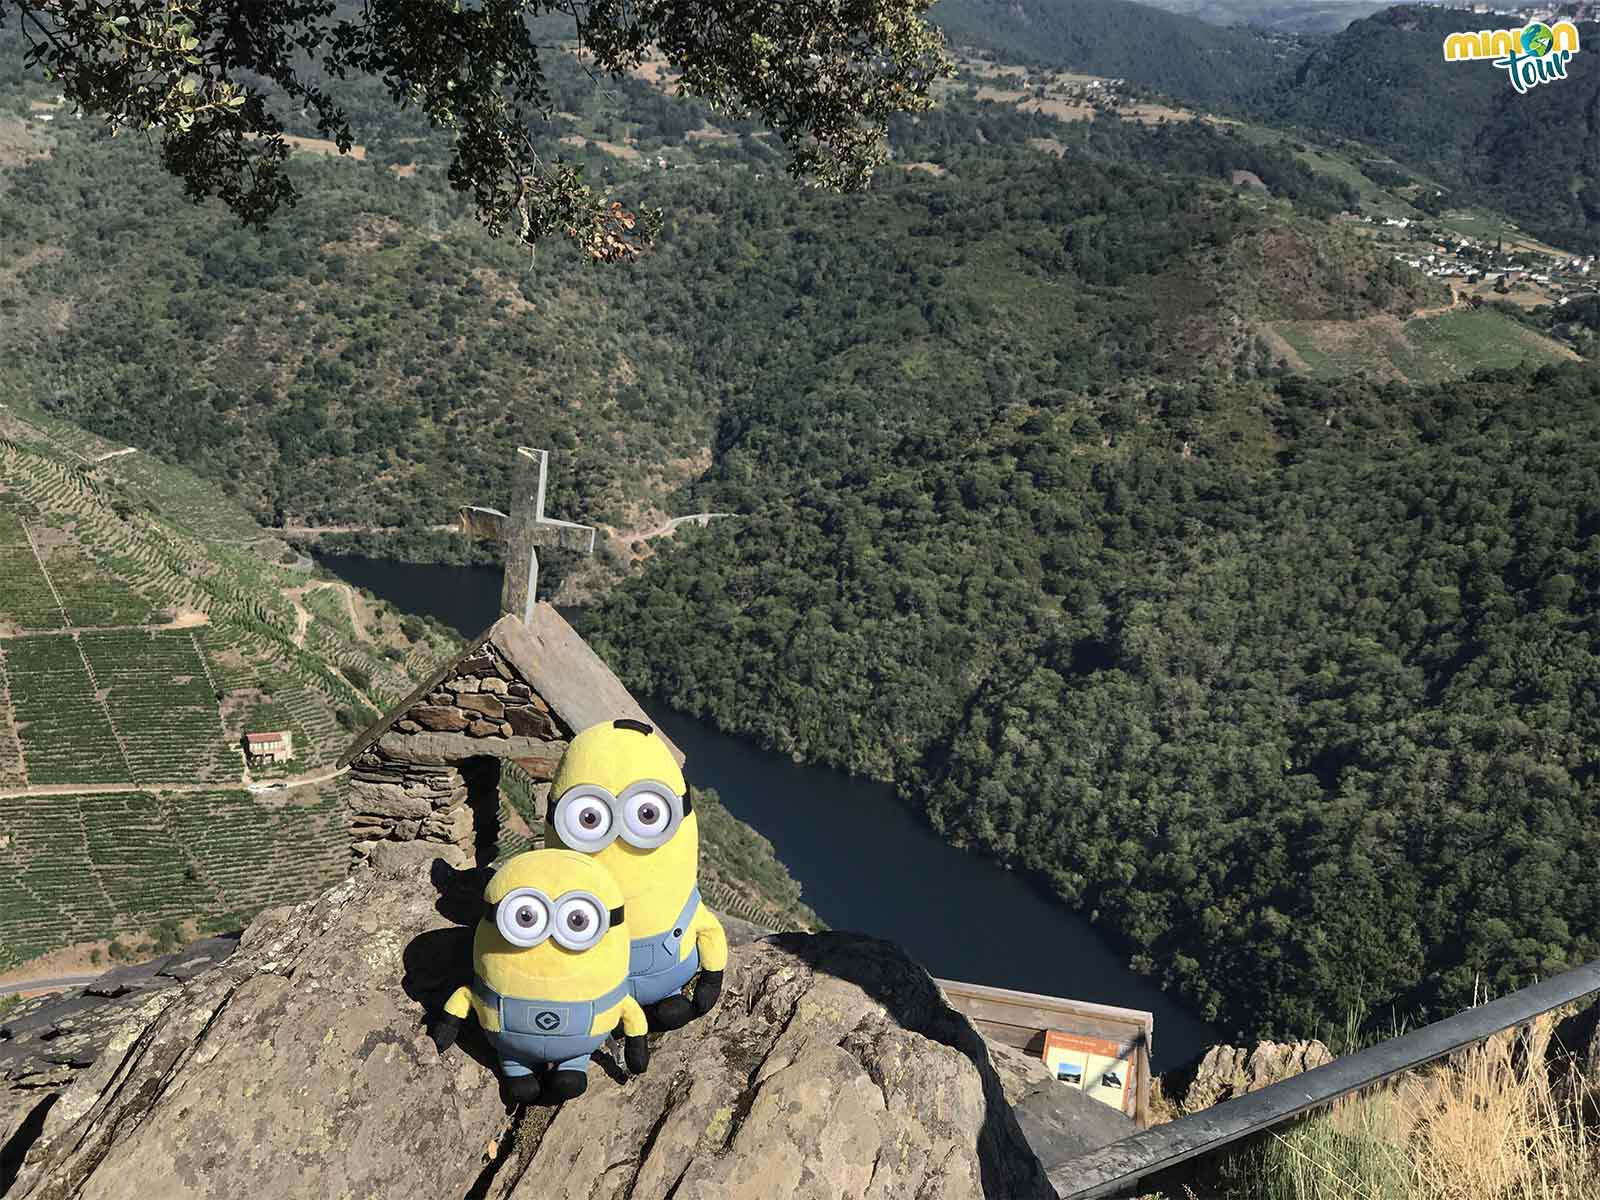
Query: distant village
[(1486, 266), (1584, 11)]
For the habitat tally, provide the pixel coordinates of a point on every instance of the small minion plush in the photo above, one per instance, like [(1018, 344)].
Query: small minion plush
[(619, 797), (550, 975)]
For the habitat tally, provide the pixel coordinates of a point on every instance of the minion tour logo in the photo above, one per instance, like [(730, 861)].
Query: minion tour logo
[(1533, 55)]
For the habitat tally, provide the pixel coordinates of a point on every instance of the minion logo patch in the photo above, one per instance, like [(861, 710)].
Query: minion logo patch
[(547, 1020)]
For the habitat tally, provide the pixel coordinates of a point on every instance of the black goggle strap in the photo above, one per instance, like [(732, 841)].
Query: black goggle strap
[(640, 727), (491, 914)]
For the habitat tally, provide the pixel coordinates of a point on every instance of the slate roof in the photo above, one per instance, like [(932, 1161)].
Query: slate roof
[(550, 658)]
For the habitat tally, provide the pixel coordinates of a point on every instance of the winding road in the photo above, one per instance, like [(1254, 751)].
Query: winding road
[(56, 984)]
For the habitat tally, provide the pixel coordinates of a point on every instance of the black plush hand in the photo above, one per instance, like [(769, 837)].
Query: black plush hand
[(636, 1053), (706, 990), (443, 1032)]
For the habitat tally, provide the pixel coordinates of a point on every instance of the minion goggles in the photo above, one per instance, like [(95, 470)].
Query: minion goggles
[(525, 917), (645, 814)]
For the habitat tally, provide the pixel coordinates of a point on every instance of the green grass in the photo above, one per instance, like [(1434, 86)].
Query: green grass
[(1434, 348), (1471, 340)]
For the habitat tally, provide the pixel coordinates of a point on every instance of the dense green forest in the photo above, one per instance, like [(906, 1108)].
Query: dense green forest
[(1295, 688), (373, 359), (1177, 54)]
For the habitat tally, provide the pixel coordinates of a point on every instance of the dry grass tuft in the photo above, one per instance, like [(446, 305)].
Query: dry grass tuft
[(1480, 1127)]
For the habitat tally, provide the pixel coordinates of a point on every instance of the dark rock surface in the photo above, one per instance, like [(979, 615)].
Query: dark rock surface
[(46, 1042), (1059, 1122)]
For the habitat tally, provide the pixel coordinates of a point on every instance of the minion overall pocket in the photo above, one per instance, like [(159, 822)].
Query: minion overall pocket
[(655, 970), (545, 1031)]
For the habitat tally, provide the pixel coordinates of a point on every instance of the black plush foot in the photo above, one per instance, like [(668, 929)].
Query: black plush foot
[(672, 1013), (564, 1085), (522, 1089)]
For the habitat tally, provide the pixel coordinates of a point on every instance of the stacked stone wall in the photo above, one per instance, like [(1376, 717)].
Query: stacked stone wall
[(434, 775)]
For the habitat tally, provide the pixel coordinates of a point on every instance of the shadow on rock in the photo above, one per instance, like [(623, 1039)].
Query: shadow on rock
[(436, 963), (885, 973), (17, 1146), (460, 891)]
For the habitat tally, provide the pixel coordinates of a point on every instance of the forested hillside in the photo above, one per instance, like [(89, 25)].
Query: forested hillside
[(1536, 155), (1382, 81), (373, 359), (1295, 688), (1031, 517), (1177, 54)]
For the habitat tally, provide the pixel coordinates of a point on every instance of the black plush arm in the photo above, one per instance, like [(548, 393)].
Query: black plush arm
[(706, 991), (636, 1053), (443, 1031)]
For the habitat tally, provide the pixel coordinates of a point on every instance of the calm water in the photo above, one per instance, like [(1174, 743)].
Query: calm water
[(865, 861)]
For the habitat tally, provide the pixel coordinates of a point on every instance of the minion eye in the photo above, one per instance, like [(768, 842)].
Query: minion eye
[(649, 817), (580, 922), (584, 821), (523, 918)]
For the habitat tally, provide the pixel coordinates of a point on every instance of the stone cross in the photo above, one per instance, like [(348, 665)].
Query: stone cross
[(523, 529)]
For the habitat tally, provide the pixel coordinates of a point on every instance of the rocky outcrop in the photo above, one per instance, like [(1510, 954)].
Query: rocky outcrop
[(1060, 1123), (832, 1067), (46, 1042), (1228, 1071)]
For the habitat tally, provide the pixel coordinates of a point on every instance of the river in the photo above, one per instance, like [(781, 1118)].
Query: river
[(872, 865)]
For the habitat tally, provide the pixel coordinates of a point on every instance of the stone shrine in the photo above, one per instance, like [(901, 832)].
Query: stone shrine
[(429, 770)]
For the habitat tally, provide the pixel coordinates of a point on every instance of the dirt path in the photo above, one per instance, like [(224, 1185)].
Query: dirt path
[(350, 602), (187, 619), (626, 537), (303, 615), (57, 984), (322, 775), (289, 531), (1456, 301)]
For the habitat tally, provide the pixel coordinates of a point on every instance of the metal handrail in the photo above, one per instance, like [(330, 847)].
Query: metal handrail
[(1116, 1169)]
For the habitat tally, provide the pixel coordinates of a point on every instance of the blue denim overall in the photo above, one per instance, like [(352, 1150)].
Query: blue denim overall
[(654, 970), (545, 1031)]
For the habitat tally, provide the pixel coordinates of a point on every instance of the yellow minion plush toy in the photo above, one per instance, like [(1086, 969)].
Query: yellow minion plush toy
[(550, 975), (619, 797)]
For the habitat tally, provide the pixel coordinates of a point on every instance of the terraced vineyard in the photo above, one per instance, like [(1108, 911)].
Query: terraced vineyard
[(76, 868), (158, 686), (65, 730), (143, 630), (26, 599), (10, 746)]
